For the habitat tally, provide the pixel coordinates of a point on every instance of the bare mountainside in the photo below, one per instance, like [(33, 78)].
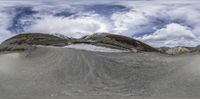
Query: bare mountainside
[(103, 39), (178, 50), (63, 72)]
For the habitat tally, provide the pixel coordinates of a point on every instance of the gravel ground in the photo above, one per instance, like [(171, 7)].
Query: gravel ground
[(66, 73)]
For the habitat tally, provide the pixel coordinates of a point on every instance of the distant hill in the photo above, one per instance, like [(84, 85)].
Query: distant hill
[(178, 50), (196, 49), (119, 41), (36, 39), (163, 49), (21, 41)]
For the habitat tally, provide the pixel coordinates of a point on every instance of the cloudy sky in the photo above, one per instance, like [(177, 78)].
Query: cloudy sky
[(155, 22)]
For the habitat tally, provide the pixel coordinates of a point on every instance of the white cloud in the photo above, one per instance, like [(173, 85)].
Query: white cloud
[(172, 35), (171, 31), (4, 23), (180, 42), (126, 23), (141, 19), (175, 42), (137, 21), (71, 26)]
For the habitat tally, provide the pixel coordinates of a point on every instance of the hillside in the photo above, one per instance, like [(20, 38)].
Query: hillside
[(196, 49), (19, 42), (178, 50), (120, 41), (36, 39)]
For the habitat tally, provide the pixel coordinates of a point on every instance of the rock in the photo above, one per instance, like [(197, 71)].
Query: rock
[(163, 49), (177, 50), (120, 41)]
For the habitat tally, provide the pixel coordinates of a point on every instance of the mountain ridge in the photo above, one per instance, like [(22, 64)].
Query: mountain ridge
[(25, 41), (104, 39)]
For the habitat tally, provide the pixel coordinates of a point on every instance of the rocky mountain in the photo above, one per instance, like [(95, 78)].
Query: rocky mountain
[(25, 41), (118, 41), (163, 49), (178, 50), (36, 39), (99, 39), (196, 49)]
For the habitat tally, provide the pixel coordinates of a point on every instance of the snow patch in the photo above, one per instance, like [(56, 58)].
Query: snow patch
[(93, 48)]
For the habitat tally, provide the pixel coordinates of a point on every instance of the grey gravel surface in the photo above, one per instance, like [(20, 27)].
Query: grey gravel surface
[(64, 73)]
